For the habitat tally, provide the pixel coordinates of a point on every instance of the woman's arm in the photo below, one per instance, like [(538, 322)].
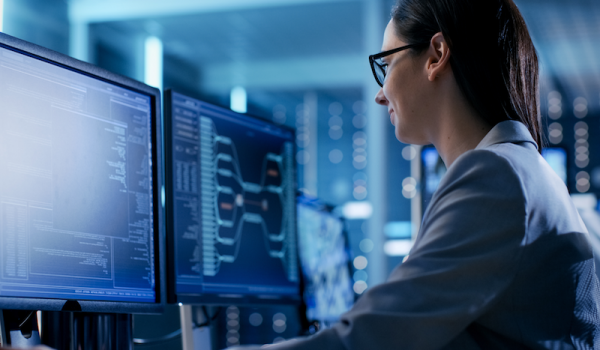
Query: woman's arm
[(464, 258)]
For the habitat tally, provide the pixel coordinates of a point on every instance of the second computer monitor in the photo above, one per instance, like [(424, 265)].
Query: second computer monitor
[(231, 206)]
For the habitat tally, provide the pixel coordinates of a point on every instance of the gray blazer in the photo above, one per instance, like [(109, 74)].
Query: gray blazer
[(502, 261)]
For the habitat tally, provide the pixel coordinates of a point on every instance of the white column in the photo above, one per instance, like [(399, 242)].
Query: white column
[(187, 329), (376, 144), (153, 62), (1, 15), (239, 99), (79, 40), (310, 168)]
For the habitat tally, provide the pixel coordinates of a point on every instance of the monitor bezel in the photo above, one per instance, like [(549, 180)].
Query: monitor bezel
[(210, 299), (101, 306)]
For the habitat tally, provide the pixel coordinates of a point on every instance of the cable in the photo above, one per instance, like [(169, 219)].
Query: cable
[(164, 338), (26, 319), (209, 319)]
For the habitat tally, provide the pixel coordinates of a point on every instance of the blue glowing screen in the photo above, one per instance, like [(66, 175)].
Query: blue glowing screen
[(76, 196), (325, 261), (233, 185)]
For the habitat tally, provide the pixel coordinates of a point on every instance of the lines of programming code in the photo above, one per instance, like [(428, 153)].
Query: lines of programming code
[(76, 196), (234, 203)]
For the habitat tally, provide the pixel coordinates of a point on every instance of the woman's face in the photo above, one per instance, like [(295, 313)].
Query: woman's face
[(404, 91)]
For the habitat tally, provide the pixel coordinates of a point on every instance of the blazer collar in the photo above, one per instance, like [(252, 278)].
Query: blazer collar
[(507, 131)]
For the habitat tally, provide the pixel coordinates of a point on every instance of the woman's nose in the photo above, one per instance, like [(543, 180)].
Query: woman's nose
[(380, 98)]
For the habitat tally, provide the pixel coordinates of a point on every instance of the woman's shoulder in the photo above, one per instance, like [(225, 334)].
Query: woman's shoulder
[(490, 169), (506, 167), (515, 174)]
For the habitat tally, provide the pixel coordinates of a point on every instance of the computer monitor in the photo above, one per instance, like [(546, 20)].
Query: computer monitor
[(557, 159), (433, 169), (326, 262), (231, 207), (81, 221)]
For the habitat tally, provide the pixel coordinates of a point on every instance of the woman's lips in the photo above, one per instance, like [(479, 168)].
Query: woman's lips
[(392, 116)]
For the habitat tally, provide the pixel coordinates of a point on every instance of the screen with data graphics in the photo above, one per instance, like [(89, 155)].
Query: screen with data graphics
[(326, 262), (77, 212), (232, 205)]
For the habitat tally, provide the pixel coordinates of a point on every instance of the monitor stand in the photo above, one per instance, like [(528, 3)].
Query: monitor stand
[(19, 328), (192, 336), (80, 330)]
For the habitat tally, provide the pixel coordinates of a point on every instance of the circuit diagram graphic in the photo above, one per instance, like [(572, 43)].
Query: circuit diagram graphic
[(229, 204)]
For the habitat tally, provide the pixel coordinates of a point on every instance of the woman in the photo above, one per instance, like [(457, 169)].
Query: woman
[(502, 260)]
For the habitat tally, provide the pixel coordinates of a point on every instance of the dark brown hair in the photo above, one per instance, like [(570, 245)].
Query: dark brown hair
[(492, 56)]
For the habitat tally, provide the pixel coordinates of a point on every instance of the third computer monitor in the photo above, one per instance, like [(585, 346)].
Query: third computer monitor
[(231, 206), (326, 262)]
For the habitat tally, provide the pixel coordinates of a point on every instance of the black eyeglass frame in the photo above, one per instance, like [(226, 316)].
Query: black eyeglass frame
[(377, 56)]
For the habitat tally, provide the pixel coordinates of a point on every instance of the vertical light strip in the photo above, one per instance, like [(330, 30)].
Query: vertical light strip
[(239, 100), (153, 62), (311, 168), (1, 15), (377, 129)]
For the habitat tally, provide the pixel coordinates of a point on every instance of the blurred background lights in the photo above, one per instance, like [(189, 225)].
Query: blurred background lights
[(360, 287), (583, 181), (366, 245), (233, 324), (335, 121), (360, 192), (359, 107), (360, 275), (233, 335), (397, 247), (580, 107), (336, 156), (555, 133), (359, 121), (409, 187), (360, 262), (255, 319), (279, 114), (359, 139), (357, 210), (336, 108), (398, 229), (302, 138), (582, 159), (554, 105), (409, 152), (279, 322), (336, 132)]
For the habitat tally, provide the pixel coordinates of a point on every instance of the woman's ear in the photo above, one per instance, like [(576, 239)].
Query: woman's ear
[(438, 61)]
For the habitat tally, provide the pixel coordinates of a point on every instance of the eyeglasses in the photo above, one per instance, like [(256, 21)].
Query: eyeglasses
[(379, 67)]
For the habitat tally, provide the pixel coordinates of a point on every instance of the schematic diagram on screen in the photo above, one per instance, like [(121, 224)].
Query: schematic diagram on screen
[(230, 205)]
